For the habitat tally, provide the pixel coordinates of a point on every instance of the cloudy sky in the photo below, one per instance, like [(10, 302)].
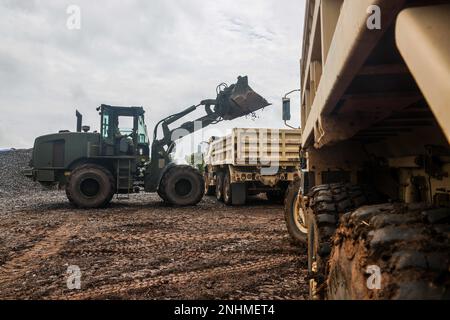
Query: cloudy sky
[(164, 55)]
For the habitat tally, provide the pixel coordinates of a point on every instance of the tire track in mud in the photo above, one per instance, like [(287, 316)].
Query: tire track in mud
[(180, 278), (31, 259), (123, 243), (183, 236), (138, 251)]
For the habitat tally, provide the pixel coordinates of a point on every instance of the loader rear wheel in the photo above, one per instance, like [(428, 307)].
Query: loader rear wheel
[(219, 186), (90, 186), (182, 186), (391, 251), (325, 204), (294, 214)]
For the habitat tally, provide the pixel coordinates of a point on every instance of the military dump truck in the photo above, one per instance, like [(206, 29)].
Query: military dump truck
[(95, 166), (251, 161), (373, 199)]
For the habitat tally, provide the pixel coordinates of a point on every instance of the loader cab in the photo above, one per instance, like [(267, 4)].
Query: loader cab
[(123, 131)]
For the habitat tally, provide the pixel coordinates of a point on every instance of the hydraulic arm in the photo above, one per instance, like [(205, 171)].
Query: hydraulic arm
[(232, 102)]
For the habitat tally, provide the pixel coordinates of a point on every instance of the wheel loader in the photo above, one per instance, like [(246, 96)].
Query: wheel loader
[(372, 202), (119, 160)]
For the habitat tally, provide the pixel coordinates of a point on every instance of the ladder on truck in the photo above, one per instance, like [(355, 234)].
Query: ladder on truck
[(124, 179)]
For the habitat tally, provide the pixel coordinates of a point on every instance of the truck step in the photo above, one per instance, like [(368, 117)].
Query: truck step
[(124, 179)]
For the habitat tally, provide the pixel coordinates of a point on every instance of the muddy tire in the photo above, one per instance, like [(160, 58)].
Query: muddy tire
[(406, 246), (182, 186), (90, 186), (161, 194), (219, 186), (295, 220), (326, 203), (227, 195), (276, 196)]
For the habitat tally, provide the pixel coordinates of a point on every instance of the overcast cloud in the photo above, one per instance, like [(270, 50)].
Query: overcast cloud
[(163, 55)]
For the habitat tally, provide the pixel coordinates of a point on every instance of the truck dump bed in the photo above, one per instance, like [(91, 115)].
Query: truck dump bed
[(256, 147), (355, 75)]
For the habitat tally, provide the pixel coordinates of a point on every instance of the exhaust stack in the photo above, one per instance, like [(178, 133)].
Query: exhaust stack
[(79, 120)]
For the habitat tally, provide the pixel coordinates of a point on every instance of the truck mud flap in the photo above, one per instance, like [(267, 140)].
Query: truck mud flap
[(238, 194)]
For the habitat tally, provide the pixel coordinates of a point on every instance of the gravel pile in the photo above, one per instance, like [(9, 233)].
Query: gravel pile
[(12, 180)]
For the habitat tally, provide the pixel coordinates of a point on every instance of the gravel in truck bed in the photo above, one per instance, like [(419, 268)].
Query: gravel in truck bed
[(142, 249)]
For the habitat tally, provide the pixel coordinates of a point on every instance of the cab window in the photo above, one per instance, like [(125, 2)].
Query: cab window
[(125, 125), (105, 126), (142, 130)]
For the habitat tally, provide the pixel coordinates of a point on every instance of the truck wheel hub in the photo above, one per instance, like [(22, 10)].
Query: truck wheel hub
[(90, 187), (299, 216)]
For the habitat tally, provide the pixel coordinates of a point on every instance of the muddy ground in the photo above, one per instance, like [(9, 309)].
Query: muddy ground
[(142, 249)]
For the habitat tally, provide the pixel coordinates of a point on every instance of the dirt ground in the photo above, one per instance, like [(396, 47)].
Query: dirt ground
[(142, 249)]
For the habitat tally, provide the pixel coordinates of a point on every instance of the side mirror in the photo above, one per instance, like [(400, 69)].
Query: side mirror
[(286, 109)]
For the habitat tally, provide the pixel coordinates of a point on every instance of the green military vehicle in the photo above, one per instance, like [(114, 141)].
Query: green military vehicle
[(118, 160)]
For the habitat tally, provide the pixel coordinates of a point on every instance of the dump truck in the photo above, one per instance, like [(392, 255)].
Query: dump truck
[(373, 199), (250, 161), (119, 160)]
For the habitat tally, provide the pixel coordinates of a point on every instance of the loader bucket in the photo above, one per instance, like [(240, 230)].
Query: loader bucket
[(239, 100)]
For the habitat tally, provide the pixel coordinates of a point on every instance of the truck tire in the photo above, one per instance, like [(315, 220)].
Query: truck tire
[(275, 196), (227, 193), (294, 214), (409, 245), (219, 186), (90, 186), (209, 189), (326, 203), (182, 186)]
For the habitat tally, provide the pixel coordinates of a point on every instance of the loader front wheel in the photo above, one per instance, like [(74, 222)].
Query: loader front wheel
[(161, 194), (182, 186), (90, 186)]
